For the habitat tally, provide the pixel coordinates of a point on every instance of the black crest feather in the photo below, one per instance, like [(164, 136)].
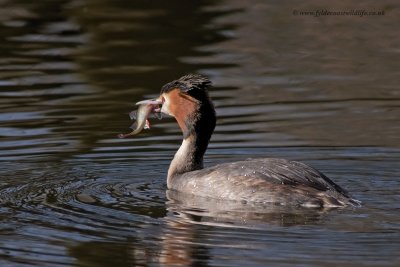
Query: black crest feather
[(187, 83)]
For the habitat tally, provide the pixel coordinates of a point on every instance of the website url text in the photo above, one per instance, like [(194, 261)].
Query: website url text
[(325, 12)]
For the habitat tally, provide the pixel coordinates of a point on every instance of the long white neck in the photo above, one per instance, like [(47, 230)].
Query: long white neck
[(188, 158)]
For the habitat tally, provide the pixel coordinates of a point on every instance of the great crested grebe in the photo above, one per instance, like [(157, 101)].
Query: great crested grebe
[(264, 180)]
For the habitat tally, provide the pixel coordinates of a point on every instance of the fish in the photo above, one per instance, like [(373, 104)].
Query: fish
[(146, 108)]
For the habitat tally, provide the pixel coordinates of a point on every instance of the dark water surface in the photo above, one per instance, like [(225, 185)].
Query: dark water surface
[(324, 91)]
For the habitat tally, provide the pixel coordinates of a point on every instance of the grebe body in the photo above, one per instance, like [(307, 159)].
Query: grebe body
[(265, 180)]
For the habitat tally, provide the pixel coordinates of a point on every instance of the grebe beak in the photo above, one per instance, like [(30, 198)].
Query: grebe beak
[(149, 101)]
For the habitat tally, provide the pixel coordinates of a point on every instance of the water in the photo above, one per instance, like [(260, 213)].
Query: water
[(324, 91)]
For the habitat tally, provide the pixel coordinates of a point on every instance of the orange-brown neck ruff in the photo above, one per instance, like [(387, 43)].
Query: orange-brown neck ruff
[(184, 108)]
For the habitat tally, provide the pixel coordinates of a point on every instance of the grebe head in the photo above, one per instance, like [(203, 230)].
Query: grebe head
[(187, 100)]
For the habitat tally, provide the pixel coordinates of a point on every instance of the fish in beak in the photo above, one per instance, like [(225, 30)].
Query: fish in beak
[(146, 108)]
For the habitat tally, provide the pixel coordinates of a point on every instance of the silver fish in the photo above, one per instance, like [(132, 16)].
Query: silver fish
[(146, 108)]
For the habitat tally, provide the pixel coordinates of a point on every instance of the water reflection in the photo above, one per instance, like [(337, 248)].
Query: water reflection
[(193, 225), (238, 214), (182, 244), (99, 253)]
